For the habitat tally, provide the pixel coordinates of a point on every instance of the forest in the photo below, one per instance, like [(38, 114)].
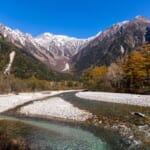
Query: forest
[(132, 74)]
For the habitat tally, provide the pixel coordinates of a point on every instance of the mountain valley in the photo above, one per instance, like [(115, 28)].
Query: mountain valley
[(62, 53)]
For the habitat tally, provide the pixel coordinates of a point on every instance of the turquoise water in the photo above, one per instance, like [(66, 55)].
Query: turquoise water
[(50, 136)]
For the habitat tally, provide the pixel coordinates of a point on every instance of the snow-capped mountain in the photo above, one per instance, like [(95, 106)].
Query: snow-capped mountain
[(15, 36), (113, 43), (60, 45), (53, 50), (26, 42)]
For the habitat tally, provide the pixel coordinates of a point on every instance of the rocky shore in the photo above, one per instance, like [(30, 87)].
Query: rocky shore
[(130, 99), (133, 136), (56, 108)]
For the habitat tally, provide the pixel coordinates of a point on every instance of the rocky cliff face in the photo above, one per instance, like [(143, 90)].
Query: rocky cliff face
[(60, 45), (113, 43)]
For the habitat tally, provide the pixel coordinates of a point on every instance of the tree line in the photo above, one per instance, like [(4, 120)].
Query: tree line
[(129, 75), (10, 83)]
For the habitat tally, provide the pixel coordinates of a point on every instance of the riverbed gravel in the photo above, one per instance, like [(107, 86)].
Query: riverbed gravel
[(56, 107), (130, 99)]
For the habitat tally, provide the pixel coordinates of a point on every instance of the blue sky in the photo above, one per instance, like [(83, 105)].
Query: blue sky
[(78, 18)]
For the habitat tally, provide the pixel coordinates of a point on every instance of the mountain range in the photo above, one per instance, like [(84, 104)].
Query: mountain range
[(113, 43), (63, 53)]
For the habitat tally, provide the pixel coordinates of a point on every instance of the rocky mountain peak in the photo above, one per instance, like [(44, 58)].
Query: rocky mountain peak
[(60, 45), (141, 18), (113, 43)]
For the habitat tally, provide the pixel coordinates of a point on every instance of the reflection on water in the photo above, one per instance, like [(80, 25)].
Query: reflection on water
[(50, 136)]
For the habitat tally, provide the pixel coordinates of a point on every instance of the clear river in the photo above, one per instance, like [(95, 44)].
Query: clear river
[(46, 135)]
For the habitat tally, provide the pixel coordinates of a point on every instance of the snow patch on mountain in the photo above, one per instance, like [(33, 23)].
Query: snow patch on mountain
[(122, 49), (67, 67), (123, 22), (11, 57)]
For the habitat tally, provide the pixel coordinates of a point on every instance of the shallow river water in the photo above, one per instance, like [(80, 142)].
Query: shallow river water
[(45, 135), (40, 134)]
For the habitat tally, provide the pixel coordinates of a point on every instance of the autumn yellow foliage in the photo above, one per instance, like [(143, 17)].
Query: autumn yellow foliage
[(130, 75), (93, 78)]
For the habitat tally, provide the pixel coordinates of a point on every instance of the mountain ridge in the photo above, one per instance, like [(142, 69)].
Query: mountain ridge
[(112, 44), (52, 50), (59, 51)]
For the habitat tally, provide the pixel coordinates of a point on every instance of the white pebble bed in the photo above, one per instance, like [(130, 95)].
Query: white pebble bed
[(9, 101), (56, 108), (130, 99)]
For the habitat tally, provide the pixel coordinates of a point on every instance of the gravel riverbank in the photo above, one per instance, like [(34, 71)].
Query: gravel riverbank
[(10, 101), (130, 99), (56, 108)]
